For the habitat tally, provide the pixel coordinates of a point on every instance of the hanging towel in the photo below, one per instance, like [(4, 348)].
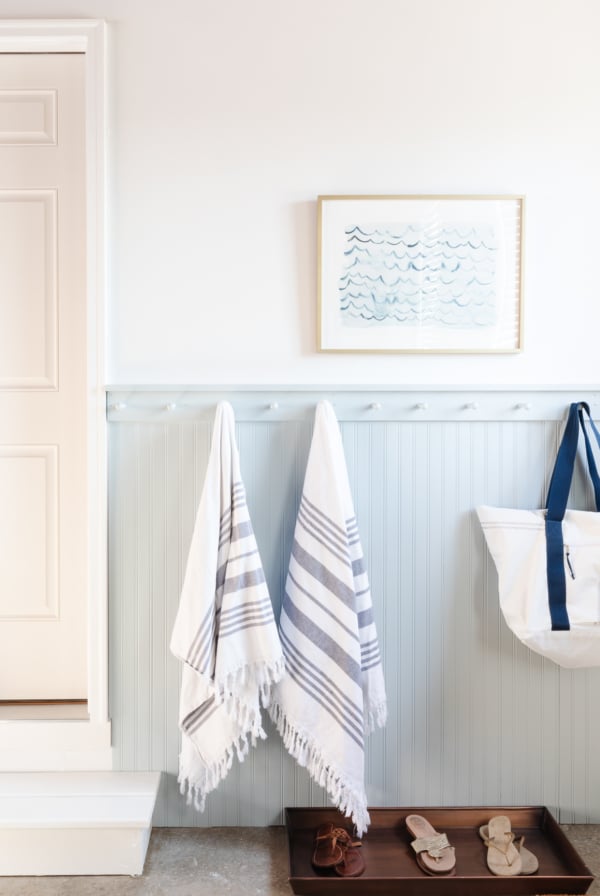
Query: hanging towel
[(224, 633), (333, 693)]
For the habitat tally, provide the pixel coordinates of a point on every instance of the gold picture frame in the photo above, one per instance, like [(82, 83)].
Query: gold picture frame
[(438, 274)]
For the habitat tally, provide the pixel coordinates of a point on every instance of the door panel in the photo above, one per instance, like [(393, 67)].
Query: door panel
[(29, 534), (28, 116), (43, 449), (28, 257)]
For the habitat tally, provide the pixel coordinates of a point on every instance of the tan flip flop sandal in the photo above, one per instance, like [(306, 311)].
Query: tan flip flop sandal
[(434, 853), (503, 857), (529, 862)]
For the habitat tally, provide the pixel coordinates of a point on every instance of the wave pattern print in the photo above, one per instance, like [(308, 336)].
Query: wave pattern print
[(415, 274)]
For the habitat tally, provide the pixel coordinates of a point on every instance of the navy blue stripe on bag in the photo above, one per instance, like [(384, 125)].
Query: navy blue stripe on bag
[(556, 504)]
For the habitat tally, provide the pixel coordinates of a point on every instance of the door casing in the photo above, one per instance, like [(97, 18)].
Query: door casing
[(81, 744)]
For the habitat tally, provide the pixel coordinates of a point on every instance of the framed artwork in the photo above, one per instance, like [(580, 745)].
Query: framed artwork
[(420, 273)]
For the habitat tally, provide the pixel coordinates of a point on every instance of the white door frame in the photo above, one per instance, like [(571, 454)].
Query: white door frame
[(79, 744)]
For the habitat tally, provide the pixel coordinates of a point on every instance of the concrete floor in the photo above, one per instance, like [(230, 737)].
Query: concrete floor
[(223, 862)]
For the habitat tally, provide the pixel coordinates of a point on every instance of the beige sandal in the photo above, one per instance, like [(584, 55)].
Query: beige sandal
[(529, 862), (434, 853), (503, 857)]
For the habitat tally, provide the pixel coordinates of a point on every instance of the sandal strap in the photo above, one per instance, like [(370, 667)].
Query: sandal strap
[(340, 837), (496, 845), (433, 845), (502, 849), (344, 839)]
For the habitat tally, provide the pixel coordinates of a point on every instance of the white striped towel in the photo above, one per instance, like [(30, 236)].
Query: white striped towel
[(224, 633), (333, 693)]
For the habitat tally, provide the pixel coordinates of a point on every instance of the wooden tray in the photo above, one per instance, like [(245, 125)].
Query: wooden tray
[(390, 861)]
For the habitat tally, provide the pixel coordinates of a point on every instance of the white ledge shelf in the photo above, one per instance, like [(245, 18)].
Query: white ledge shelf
[(177, 404)]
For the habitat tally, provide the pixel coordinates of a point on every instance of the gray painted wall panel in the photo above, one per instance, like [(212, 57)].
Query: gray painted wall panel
[(475, 718)]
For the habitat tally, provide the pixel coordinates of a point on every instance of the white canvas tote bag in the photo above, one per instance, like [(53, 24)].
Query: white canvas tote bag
[(548, 561)]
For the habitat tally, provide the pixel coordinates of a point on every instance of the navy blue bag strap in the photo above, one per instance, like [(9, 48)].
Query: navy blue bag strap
[(556, 504), (588, 450)]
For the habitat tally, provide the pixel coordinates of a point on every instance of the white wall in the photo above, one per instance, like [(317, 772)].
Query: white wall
[(229, 117)]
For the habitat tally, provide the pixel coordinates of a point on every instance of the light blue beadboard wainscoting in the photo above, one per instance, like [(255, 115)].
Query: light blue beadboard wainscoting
[(475, 718)]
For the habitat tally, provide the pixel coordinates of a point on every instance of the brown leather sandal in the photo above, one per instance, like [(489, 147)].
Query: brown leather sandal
[(327, 851), (335, 848), (353, 864)]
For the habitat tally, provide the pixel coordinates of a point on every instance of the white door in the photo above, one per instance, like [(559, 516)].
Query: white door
[(43, 470)]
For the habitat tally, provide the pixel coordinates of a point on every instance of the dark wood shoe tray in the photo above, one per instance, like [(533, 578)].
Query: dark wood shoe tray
[(391, 867)]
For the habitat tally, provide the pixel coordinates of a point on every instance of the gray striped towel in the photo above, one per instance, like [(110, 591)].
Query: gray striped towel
[(333, 693), (224, 633)]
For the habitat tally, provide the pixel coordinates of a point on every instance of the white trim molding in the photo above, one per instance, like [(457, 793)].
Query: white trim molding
[(54, 746), (367, 404), (77, 744)]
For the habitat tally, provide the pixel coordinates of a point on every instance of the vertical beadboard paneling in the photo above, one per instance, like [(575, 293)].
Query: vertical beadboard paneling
[(404, 648), (423, 664), (474, 717), (385, 786)]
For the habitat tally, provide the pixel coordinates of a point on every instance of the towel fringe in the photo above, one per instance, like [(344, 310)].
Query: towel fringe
[(263, 676), (307, 754), (271, 675), (247, 716), (196, 790)]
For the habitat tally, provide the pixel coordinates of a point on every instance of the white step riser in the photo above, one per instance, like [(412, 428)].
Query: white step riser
[(75, 823), (72, 851)]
